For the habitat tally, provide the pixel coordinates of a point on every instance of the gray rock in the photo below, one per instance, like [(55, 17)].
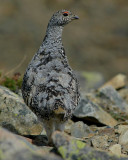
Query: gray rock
[(110, 93), (80, 130), (14, 147), (89, 111), (15, 115), (123, 138), (110, 101), (71, 149), (124, 94)]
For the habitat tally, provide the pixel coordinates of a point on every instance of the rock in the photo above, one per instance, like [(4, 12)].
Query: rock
[(106, 131), (80, 130), (91, 112), (115, 149), (110, 101), (100, 142), (121, 128), (124, 94), (15, 115), (125, 149), (110, 93), (89, 80), (123, 138), (72, 149), (14, 147), (117, 82), (68, 126), (112, 137)]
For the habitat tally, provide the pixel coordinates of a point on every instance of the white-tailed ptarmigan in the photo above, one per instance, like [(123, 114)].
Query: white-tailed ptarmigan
[(49, 87)]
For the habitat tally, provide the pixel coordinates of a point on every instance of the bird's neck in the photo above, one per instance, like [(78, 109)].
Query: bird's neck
[(52, 42), (53, 34)]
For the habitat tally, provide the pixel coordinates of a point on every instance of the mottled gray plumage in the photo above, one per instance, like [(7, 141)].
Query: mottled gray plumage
[(49, 87)]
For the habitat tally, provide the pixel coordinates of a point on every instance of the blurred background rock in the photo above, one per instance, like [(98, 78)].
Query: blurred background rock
[(97, 42)]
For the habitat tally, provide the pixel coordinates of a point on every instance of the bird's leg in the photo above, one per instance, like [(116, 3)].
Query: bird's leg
[(60, 126), (49, 128)]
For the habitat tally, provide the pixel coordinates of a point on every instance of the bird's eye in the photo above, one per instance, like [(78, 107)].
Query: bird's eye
[(65, 14)]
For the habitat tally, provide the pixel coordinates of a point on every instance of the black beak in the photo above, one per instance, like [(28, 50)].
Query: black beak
[(75, 17)]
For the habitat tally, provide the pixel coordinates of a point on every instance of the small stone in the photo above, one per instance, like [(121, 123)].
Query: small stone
[(123, 138), (124, 94), (122, 128), (80, 130), (115, 149), (107, 131), (125, 149), (68, 126), (110, 132), (117, 82), (100, 142)]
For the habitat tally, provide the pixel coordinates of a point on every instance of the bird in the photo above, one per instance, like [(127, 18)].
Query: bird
[(50, 87)]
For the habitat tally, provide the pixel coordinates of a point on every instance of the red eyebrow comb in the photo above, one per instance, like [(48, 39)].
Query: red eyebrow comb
[(65, 12)]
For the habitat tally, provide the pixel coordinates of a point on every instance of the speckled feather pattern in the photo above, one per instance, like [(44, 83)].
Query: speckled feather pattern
[(49, 86)]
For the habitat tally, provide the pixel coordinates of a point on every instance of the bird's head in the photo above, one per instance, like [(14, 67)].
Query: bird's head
[(62, 18)]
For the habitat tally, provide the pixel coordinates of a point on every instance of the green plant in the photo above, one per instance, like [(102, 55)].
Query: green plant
[(13, 83)]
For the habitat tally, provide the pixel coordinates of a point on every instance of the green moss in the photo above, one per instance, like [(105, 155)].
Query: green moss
[(19, 82), (75, 146), (91, 76), (80, 144), (88, 75), (13, 83), (9, 83), (1, 155), (16, 114)]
